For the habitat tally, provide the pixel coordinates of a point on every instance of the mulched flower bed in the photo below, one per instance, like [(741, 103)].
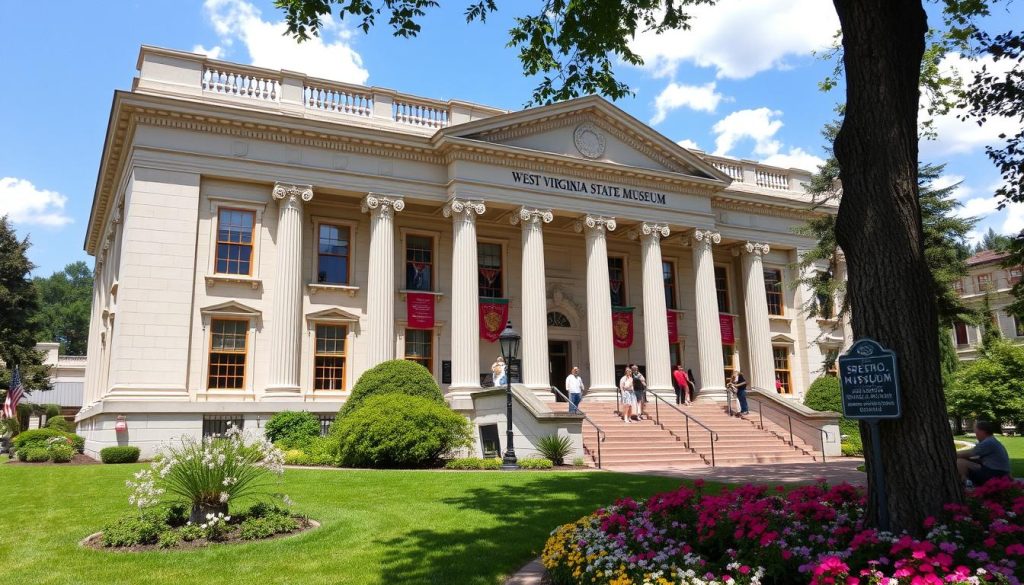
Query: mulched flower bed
[(95, 541), (78, 459)]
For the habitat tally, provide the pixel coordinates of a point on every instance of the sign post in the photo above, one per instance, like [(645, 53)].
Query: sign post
[(870, 382)]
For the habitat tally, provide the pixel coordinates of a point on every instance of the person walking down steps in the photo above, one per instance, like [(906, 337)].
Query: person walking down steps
[(574, 386), (639, 390), (738, 382), (626, 395)]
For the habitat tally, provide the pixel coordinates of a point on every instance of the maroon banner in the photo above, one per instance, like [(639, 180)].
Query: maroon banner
[(622, 326), (673, 327), (420, 310), (493, 316), (728, 333)]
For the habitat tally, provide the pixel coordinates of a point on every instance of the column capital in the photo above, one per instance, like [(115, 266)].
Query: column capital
[(292, 193), (382, 204), (656, 231), (706, 238), (528, 216), (595, 223), (755, 248), (466, 207)]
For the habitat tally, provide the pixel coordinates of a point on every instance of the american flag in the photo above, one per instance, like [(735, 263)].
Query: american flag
[(13, 395)]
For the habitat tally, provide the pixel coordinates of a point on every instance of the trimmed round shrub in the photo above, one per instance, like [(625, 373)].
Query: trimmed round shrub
[(293, 429), (394, 430), (824, 395), (61, 453), (39, 438), (119, 454), (61, 424), (395, 376), (36, 454)]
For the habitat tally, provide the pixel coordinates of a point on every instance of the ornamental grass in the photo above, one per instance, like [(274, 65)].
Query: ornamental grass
[(814, 534)]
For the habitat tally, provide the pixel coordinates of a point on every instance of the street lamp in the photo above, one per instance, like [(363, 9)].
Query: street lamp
[(509, 340)]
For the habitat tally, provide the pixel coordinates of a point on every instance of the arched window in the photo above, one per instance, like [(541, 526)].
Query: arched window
[(556, 319)]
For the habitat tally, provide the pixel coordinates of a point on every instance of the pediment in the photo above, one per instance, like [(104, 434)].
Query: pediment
[(332, 315), (589, 129), (782, 338), (230, 309)]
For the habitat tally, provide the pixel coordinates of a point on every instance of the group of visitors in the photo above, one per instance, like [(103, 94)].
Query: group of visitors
[(633, 393)]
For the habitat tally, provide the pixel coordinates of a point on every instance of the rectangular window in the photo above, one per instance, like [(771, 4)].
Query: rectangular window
[(617, 280), (958, 287), (1018, 326), (334, 245), (234, 241), (722, 287), (729, 359), (984, 282), (228, 350), (773, 290), (1015, 274), (217, 425), (326, 420), (832, 363), (490, 274), (419, 347), (668, 276), (781, 357), (419, 263), (329, 357), (960, 332)]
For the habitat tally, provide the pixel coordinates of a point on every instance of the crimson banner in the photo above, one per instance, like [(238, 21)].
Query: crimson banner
[(420, 310), (493, 316), (728, 333), (622, 326), (673, 327)]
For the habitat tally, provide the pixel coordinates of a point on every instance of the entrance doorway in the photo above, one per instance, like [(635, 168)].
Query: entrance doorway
[(558, 365)]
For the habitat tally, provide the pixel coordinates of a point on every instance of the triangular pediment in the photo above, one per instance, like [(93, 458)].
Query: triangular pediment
[(230, 309), (332, 315), (589, 129)]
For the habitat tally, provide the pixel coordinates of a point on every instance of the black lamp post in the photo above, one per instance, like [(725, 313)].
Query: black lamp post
[(509, 340)]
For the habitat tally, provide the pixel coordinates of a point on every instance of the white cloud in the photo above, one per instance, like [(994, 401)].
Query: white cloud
[(979, 207), (213, 53), (330, 55), (702, 98), (956, 136), (23, 202), (687, 143), (1014, 222), (759, 125), (739, 38), (796, 158), (961, 192)]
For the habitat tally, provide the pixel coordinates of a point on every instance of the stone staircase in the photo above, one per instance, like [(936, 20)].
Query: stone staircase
[(648, 445)]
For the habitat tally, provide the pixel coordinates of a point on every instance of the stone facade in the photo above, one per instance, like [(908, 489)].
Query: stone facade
[(230, 197), (987, 278)]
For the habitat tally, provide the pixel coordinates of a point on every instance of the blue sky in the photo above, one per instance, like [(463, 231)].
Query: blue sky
[(743, 83)]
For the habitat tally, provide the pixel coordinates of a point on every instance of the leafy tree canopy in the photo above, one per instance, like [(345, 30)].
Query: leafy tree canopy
[(989, 387), (65, 300), (19, 304)]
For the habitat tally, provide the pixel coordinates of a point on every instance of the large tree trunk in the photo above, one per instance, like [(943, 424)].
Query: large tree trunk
[(879, 230)]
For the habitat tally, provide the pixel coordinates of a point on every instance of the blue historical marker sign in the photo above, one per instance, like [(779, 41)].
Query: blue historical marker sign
[(870, 381)]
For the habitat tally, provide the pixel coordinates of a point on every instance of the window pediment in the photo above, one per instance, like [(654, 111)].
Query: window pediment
[(230, 309), (332, 315)]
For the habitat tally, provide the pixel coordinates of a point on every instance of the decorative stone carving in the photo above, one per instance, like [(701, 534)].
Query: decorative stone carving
[(382, 204), (589, 140), (293, 192), (757, 248), (594, 222), (707, 238), (650, 230), (465, 207), (526, 215)]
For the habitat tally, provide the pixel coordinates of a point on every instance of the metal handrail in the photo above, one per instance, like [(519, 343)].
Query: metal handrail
[(713, 435), (824, 435), (601, 435)]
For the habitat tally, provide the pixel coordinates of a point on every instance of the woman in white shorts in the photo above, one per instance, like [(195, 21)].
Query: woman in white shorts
[(627, 395)]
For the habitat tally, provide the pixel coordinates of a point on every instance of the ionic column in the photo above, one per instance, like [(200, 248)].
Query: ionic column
[(599, 302), (465, 293), (533, 292), (761, 371), (380, 290), (659, 370), (709, 332), (286, 336)]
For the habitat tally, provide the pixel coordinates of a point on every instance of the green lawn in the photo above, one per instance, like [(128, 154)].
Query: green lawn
[(1014, 446), (378, 527)]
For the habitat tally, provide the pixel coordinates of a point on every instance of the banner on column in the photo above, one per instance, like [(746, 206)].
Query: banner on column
[(622, 326), (728, 332), (493, 316), (420, 310), (673, 327)]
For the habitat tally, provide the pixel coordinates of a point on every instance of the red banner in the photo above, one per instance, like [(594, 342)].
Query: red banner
[(622, 326), (673, 327), (493, 316), (419, 307), (728, 333)]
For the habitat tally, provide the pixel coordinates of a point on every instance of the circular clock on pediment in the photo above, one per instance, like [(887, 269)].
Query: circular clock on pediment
[(589, 140)]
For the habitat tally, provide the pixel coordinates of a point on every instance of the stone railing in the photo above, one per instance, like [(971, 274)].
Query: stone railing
[(71, 361), (165, 71), (754, 174)]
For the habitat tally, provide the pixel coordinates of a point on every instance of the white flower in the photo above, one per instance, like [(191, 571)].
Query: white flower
[(224, 497)]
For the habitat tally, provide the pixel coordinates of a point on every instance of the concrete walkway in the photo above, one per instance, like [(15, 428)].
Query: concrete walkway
[(842, 470)]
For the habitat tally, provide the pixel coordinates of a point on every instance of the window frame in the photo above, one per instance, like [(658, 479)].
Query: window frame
[(730, 364), (727, 290), (435, 275), (959, 326), (345, 364), (245, 353), (673, 284), (781, 292), (217, 242), (315, 249), (1018, 326), (1014, 279), (432, 359), (982, 285), (625, 278), (502, 259), (216, 204), (787, 382)]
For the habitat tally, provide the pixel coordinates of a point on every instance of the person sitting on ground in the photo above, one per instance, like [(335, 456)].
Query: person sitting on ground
[(986, 460)]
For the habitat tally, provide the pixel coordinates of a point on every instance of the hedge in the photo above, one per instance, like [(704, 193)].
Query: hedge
[(293, 429), (395, 376), (824, 394), (61, 424), (61, 453), (119, 454), (38, 438), (394, 430)]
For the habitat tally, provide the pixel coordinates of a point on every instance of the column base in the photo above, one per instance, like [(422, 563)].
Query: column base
[(601, 393), (712, 394)]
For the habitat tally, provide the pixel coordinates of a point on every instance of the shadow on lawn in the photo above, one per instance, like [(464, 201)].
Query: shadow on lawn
[(521, 516)]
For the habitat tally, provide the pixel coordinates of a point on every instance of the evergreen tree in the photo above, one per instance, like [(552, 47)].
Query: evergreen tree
[(19, 304), (993, 241), (65, 305)]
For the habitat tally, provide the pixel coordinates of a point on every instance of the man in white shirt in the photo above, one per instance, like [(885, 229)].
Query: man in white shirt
[(574, 386)]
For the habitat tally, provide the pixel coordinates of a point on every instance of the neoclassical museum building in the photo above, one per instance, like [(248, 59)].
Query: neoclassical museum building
[(263, 237)]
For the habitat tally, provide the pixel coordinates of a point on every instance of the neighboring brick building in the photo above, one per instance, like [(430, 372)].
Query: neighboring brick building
[(987, 276)]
